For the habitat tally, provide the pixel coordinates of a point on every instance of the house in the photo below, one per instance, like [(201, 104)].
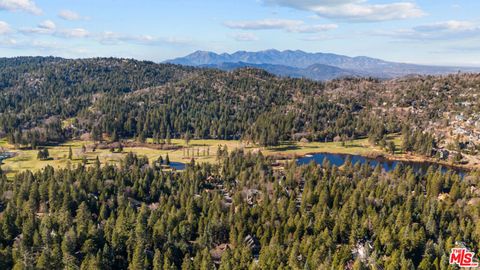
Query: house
[(252, 196), (443, 154), (218, 251), (252, 243), (301, 135), (304, 140), (460, 130)]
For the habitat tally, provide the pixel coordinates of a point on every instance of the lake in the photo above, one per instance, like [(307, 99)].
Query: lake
[(387, 165), (177, 165)]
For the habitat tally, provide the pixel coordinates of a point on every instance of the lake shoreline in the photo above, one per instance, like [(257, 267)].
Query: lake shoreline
[(385, 157)]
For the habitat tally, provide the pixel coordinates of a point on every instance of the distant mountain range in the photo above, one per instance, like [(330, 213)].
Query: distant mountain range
[(317, 66)]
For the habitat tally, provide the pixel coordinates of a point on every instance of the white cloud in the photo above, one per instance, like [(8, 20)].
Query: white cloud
[(454, 26), (73, 33), (313, 28), (9, 42), (20, 5), (245, 37), (28, 44), (43, 45), (295, 26), (47, 25), (264, 24), (109, 37), (47, 48), (45, 28), (465, 48), (49, 28), (316, 38), (446, 30), (354, 10), (176, 40), (113, 38), (70, 15), (5, 28)]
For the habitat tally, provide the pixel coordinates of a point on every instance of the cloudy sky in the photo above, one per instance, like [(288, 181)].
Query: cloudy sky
[(421, 31)]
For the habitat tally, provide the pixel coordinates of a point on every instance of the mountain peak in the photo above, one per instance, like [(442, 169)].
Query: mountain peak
[(201, 53), (318, 66), (293, 58), (270, 51)]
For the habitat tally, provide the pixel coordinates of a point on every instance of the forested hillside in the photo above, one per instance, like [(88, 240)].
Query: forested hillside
[(142, 99), (48, 100), (131, 98), (240, 214)]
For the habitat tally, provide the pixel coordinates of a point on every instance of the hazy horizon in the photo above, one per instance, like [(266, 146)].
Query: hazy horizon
[(232, 52)]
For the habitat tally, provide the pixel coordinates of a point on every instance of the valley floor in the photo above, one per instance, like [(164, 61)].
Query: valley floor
[(200, 150)]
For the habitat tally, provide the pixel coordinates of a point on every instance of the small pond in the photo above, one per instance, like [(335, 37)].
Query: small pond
[(177, 165), (6, 155)]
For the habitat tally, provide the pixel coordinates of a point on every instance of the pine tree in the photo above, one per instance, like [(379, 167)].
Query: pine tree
[(114, 136), (168, 139), (187, 138), (97, 162), (187, 263), (160, 160), (44, 261), (167, 160), (426, 263), (392, 148), (157, 260), (206, 262), (43, 154), (96, 134), (138, 257)]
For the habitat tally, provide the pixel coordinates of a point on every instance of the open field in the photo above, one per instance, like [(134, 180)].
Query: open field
[(27, 159), (356, 147), (203, 150)]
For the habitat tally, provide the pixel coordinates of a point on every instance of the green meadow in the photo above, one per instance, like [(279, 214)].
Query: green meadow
[(201, 150)]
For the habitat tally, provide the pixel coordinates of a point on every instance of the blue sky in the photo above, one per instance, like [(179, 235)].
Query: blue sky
[(422, 31)]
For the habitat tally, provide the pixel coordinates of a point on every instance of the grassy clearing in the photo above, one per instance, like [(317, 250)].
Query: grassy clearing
[(356, 147), (27, 159), (202, 150)]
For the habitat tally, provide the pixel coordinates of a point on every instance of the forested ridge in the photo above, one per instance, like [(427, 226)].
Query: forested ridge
[(239, 214), (35, 88), (45, 100)]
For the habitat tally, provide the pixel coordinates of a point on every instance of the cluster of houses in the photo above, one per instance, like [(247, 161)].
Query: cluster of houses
[(466, 126)]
